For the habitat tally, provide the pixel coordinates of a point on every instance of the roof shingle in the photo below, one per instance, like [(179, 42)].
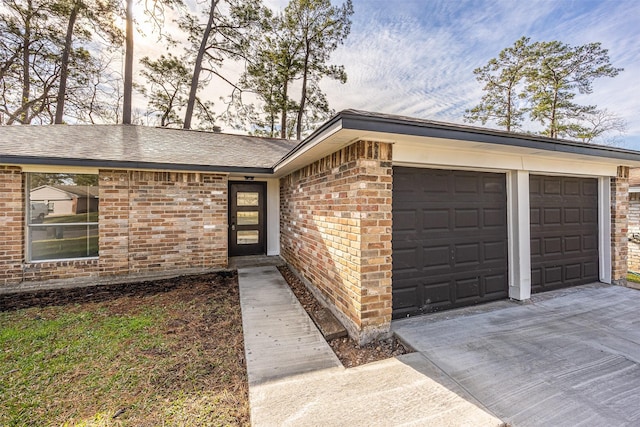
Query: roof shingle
[(122, 145)]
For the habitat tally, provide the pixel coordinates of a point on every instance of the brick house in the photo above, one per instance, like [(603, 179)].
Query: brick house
[(382, 216)]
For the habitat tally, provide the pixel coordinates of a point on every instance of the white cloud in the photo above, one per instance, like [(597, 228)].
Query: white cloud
[(417, 58)]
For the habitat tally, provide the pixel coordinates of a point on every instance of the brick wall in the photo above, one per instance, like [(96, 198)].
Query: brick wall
[(335, 227), (619, 225), (633, 256), (176, 221), (149, 223), (11, 223)]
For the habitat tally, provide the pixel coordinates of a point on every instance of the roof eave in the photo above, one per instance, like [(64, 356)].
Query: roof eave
[(117, 164), (354, 121)]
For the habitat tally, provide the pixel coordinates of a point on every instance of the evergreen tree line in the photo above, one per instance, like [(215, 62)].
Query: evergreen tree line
[(57, 63), (533, 83)]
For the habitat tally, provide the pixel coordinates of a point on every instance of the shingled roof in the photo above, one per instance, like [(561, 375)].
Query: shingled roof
[(129, 146)]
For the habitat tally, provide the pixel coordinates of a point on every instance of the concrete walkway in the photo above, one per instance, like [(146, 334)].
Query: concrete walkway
[(295, 379)]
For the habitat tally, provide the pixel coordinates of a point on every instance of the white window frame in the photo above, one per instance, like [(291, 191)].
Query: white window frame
[(29, 225)]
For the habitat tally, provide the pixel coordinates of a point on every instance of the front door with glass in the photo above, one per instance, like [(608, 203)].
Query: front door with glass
[(247, 218)]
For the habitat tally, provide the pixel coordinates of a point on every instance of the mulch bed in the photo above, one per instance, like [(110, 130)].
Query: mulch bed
[(100, 293), (348, 351)]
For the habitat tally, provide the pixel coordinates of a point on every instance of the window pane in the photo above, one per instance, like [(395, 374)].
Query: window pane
[(63, 216), (250, 237), (248, 218), (63, 198), (247, 199), (63, 241)]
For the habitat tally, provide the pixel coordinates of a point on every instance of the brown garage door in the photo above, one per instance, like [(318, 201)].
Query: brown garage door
[(449, 239), (564, 231)]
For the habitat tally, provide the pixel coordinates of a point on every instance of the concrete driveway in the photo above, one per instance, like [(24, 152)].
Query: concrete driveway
[(569, 358)]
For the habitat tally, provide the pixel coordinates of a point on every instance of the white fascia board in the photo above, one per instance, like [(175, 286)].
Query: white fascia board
[(321, 144), (59, 169), (416, 155)]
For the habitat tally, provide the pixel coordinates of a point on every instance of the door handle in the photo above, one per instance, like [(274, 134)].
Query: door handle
[(233, 226)]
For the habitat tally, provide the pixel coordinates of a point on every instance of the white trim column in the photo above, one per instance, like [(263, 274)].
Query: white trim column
[(273, 217), (604, 228), (519, 235)]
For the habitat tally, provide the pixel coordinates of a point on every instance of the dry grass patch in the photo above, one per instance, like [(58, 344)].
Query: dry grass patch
[(165, 353)]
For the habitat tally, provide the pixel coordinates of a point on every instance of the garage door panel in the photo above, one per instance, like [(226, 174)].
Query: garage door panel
[(573, 244), (536, 277), (590, 243), (590, 188), (436, 185), (552, 216), (466, 289), (572, 272), (564, 237), (463, 236), (572, 187), (406, 220), (536, 246), (494, 285), (534, 216), (552, 246), (467, 253), (404, 299), (572, 216), (492, 217), (436, 219), (466, 184), (404, 260), (553, 275), (589, 216), (590, 269), (436, 257), (495, 251), (493, 186), (551, 186), (466, 218), (436, 293)]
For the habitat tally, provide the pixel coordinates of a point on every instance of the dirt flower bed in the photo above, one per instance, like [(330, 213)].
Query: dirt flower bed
[(167, 352), (348, 351)]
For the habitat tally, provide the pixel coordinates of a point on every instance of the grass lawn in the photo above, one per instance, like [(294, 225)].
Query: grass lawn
[(85, 217), (633, 277), (71, 247), (163, 353)]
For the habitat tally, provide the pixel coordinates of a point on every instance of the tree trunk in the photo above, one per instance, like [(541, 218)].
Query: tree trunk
[(553, 131), (509, 109), (303, 96), (64, 67), (128, 66), (26, 65), (197, 67), (283, 117)]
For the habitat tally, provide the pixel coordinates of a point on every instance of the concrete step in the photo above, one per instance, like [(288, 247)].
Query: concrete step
[(328, 325)]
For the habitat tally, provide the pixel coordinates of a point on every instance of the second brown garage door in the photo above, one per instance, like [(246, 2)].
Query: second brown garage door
[(449, 239), (564, 231)]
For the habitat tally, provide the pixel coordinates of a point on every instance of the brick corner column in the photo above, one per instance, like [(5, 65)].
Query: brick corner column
[(620, 226), (375, 196)]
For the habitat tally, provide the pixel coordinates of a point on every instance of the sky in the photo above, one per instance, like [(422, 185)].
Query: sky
[(416, 57)]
